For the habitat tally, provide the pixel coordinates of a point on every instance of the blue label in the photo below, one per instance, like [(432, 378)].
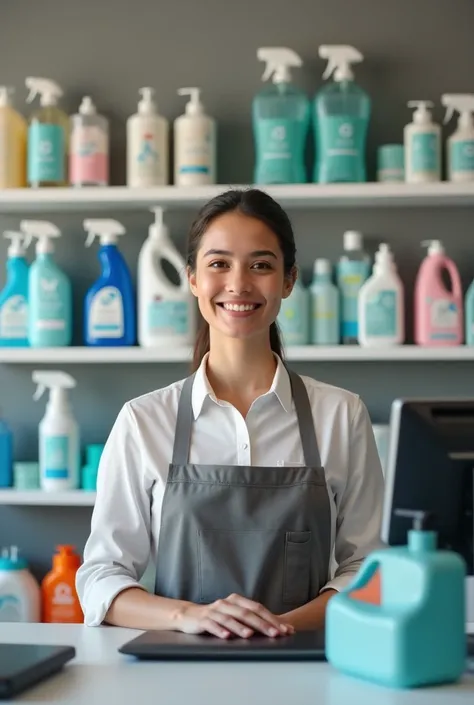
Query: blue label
[(425, 155), (45, 153), (381, 314), (462, 156), (168, 317), (350, 277), (56, 457), (341, 142), (194, 170), (278, 143)]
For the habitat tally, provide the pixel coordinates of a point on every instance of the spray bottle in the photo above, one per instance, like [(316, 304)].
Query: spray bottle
[(195, 143), (109, 310), (147, 144), (460, 147), (280, 115), (59, 450), (89, 157), (422, 139), (13, 130), (14, 297), (49, 290), (48, 135), (341, 117)]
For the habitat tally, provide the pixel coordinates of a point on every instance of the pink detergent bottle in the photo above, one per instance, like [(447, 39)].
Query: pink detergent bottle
[(438, 310)]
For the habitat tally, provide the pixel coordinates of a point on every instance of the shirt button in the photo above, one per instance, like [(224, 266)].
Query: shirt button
[(245, 446)]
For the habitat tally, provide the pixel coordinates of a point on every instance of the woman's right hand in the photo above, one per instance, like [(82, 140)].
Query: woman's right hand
[(233, 615)]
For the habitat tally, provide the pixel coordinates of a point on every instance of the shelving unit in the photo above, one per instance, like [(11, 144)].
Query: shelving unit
[(71, 498)]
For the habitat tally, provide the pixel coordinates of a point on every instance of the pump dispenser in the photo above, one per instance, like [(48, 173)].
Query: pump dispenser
[(59, 449), (460, 145), (147, 144), (48, 135), (14, 297), (194, 144), (341, 117), (422, 139), (13, 129), (280, 115), (109, 310), (89, 157)]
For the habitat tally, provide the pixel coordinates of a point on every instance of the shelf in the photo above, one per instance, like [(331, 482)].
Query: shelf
[(122, 198), (71, 498), (137, 355)]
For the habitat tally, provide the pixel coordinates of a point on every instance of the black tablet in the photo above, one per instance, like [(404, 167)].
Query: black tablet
[(23, 665)]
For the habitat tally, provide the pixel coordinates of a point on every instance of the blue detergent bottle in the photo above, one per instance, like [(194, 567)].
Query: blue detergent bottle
[(14, 297), (109, 310)]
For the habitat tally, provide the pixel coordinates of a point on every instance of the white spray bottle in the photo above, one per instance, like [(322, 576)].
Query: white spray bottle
[(460, 146), (59, 449), (422, 139), (147, 144), (194, 144)]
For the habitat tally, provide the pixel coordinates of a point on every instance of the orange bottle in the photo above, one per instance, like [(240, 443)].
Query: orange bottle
[(59, 599)]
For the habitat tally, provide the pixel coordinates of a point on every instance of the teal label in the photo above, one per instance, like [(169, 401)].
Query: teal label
[(56, 457), (341, 142), (45, 153), (168, 317), (277, 141), (351, 276), (51, 309), (381, 314), (293, 321), (14, 318), (325, 328), (462, 156), (425, 155)]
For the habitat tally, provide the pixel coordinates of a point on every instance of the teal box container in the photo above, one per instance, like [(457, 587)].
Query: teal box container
[(391, 163), (26, 475), (91, 468)]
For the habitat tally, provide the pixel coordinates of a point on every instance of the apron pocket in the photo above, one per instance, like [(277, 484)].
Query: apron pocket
[(297, 572)]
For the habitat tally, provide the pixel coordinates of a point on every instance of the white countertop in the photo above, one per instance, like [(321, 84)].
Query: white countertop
[(99, 675)]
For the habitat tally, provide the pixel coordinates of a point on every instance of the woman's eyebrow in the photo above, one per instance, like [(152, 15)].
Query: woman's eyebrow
[(255, 253)]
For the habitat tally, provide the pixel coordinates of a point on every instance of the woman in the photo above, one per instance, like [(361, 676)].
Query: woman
[(271, 475)]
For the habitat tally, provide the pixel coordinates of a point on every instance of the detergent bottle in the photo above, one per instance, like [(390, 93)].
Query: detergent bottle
[(14, 297), (194, 143), (422, 140), (13, 130), (109, 309), (460, 145), (147, 144), (19, 591), (59, 600)]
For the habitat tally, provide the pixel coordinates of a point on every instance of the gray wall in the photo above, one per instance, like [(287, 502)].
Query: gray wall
[(108, 50)]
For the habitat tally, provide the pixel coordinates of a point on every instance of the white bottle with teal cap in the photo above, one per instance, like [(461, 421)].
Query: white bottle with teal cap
[(14, 297), (294, 316), (280, 116), (49, 290), (325, 324), (340, 119), (460, 145), (20, 594), (422, 139), (194, 143)]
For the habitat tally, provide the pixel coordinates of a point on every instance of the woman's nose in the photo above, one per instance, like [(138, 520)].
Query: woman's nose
[(238, 281)]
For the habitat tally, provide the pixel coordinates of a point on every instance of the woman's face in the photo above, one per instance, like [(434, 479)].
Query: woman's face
[(239, 278)]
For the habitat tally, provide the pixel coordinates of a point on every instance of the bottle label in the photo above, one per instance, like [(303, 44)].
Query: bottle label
[(325, 329), (341, 142), (293, 323), (276, 139), (444, 319), (14, 318), (425, 152), (168, 318), (46, 150), (148, 161), (106, 314), (56, 457), (351, 276), (51, 310), (89, 156), (10, 609), (381, 314), (195, 151), (462, 156)]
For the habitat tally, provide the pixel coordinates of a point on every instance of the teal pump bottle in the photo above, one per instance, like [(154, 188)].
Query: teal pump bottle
[(280, 116), (325, 323), (14, 297), (340, 120), (293, 318)]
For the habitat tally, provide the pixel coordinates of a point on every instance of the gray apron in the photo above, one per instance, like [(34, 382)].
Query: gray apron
[(261, 532)]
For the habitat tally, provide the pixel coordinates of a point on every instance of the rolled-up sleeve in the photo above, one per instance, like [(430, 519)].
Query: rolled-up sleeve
[(118, 549), (359, 511)]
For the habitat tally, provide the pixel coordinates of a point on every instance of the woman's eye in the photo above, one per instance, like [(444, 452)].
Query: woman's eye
[(261, 265), (218, 264)]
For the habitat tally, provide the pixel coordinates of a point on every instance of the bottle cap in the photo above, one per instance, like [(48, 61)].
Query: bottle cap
[(87, 106), (66, 558), (353, 240), (322, 266)]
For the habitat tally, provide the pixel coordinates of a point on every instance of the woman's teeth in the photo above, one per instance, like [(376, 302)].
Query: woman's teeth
[(240, 307)]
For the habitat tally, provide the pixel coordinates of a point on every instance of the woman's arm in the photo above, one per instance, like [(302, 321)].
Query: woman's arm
[(138, 609)]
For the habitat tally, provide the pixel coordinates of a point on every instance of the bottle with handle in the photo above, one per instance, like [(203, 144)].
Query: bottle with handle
[(13, 131)]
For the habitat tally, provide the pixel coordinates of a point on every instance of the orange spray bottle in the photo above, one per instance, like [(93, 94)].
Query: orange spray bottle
[(59, 599)]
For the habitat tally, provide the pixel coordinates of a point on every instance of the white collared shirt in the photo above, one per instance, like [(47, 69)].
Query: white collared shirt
[(134, 468)]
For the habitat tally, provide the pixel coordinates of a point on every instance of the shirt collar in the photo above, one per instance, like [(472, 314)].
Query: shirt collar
[(281, 387)]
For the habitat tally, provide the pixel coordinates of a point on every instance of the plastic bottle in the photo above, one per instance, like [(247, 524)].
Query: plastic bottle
[(13, 130), (325, 325), (89, 154), (352, 271), (340, 120), (422, 139), (194, 143), (460, 146), (59, 454), (14, 296), (470, 315), (109, 307), (48, 136), (294, 316), (59, 601), (280, 116), (49, 290), (6, 454), (166, 312), (20, 599), (147, 144), (381, 304), (438, 310)]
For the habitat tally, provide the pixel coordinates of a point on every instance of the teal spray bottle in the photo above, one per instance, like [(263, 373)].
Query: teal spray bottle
[(14, 296)]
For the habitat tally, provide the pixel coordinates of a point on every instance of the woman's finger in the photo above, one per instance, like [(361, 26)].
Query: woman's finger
[(252, 615), (214, 628), (226, 620)]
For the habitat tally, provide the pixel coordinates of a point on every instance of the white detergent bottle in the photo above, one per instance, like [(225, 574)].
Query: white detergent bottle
[(20, 595), (59, 450), (194, 144), (147, 144), (166, 312), (460, 146), (422, 139), (381, 304)]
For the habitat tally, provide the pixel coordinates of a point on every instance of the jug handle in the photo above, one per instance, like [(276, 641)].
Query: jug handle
[(454, 276), (176, 261), (366, 573)]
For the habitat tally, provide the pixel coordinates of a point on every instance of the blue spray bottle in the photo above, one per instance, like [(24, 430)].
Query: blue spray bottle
[(109, 310), (14, 297)]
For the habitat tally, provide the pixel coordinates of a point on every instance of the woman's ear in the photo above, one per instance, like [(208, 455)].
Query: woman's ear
[(289, 282), (192, 280)]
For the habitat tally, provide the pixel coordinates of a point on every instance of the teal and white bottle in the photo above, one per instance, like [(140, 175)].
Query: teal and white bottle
[(293, 318), (352, 269), (280, 115), (14, 297), (340, 120), (470, 315), (325, 326)]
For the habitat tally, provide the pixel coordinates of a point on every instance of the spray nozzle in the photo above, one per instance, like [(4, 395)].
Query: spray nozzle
[(43, 230), (87, 106), (194, 105), (107, 229), (279, 60), (48, 90), (18, 243), (53, 380), (146, 103), (340, 57), (5, 93), (462, 102)]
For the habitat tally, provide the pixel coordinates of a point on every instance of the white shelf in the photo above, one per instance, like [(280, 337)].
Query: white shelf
[(137, 355), (71, 498), (120, 198)]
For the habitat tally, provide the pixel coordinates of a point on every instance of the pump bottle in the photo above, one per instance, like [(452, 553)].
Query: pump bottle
[(13, 129), (14, 297), (194, 143), (147, 144), (48, 136), (89, 157), (422, 139), (59, 449), (460, 146)]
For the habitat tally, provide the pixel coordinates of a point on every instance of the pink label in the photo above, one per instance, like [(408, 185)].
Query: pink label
[(88, 158)]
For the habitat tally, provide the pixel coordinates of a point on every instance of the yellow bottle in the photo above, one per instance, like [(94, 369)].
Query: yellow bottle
[(48, 136), (13, 128)]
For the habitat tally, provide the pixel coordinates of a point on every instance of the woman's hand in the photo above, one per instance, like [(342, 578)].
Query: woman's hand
[(234, 615)]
